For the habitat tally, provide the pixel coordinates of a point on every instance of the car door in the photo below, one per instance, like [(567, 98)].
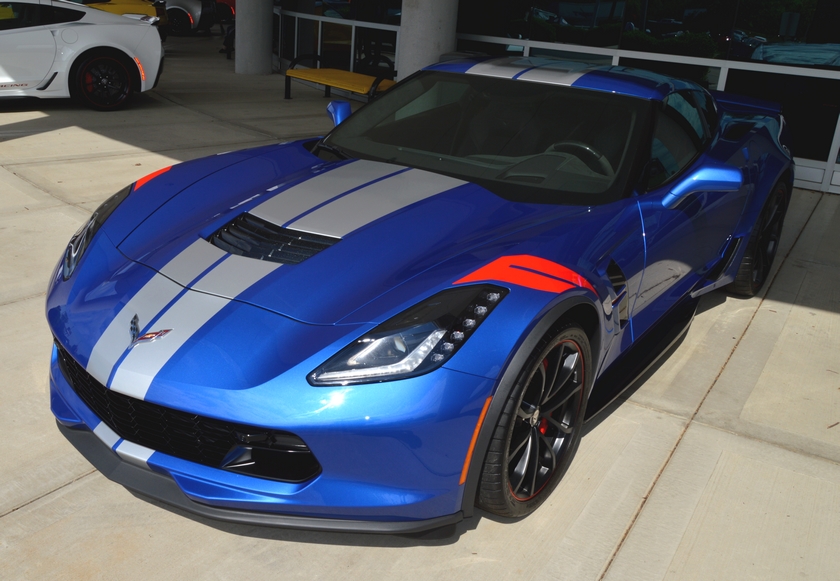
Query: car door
[(27, 48), (686, 240)]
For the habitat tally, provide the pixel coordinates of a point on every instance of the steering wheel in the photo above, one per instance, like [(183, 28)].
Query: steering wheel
[(594, 159)]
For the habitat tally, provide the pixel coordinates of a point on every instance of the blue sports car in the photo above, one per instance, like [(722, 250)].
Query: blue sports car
[(383, 328)]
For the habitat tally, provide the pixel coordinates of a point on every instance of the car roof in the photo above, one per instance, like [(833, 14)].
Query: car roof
[(609, 79)]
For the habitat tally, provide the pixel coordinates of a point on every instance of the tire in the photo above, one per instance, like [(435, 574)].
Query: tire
[(102, 82), (533, 445), (223, 12), (763, 244), (179, 22)]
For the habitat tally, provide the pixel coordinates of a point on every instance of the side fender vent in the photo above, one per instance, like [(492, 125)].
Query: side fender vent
[(619, 284), (253, 237)]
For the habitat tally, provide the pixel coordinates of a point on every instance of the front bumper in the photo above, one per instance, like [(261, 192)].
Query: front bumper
[(331, 501), (163, 488)]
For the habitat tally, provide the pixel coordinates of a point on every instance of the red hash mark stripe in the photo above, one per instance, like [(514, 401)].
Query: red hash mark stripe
[(531, 272), (142, 181)]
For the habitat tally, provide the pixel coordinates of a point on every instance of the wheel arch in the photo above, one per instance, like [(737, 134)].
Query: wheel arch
[(133, 70), (577, 309)]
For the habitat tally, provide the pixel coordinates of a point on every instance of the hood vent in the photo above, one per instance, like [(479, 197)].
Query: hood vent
[(253, 237)]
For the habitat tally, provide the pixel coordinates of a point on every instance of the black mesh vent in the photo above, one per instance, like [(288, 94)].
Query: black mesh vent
[(240, 448), (253, 237)]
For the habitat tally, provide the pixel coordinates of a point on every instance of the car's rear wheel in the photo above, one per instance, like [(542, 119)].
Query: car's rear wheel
[(540, 428), (762, 245), (179, 22), (103, 82)]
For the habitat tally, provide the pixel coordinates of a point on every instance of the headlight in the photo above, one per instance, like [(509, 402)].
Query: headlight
[(81, 239), (414, 342)]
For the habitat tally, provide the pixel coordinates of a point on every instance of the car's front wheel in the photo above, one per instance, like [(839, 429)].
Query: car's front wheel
[(102, 82), (540, 428)]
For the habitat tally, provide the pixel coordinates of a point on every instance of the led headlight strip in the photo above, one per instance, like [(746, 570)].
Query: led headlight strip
[(414, 342)]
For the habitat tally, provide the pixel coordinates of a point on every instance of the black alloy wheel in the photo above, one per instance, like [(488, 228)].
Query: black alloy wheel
[(179, 22), (103, 83), (763, 244), (540, 429)]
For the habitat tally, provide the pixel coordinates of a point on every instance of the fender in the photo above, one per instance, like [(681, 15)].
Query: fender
[(508, 378)]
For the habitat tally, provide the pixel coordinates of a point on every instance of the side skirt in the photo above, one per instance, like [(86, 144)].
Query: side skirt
[(641, 356)]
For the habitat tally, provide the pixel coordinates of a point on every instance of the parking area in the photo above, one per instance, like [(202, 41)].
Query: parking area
[(721, 463)]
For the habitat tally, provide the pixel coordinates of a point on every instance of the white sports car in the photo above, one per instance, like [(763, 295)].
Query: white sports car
[(54, 48)]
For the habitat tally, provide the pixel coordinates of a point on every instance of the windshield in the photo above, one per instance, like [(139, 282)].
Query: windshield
[(524, 141)]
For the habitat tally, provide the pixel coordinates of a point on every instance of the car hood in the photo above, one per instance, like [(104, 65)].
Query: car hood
[(379, 226)]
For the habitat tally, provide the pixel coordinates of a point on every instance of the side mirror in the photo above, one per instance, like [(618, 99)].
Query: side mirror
[(338, 111), (716, 178)]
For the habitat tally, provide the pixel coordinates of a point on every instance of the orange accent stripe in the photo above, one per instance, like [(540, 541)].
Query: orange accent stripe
[(531, 272), (474, 439), (142, 181)]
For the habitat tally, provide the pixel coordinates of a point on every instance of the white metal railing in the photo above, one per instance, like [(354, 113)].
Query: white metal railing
[(813, 174), (353, 24)]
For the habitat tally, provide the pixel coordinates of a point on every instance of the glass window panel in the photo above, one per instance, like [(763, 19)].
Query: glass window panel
[(335, 46), (307, 37), (680, 27), (287, 37), (490, 48), (788, 32), (375, 52), (810, 106)]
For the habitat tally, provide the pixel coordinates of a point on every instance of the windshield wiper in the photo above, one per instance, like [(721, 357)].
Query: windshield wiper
[(333, 149)]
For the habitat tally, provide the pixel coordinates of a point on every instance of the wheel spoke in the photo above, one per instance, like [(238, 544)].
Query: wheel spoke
[(534, 464), (520, 471), (566, 369), (565, 428), (569, 390), (521, 442)]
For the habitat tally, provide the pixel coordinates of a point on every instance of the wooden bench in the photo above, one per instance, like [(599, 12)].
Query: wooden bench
[(353, 82)]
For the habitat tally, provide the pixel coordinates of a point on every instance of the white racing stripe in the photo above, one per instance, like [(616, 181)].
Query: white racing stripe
[(135, 374), (505, 69), (225, 279), (147, 304), (320, 189), (134, 453), (373, 202), (108, 436), (553, 75)]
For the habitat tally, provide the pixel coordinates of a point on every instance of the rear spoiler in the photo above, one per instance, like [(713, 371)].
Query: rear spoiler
[(743, 104)]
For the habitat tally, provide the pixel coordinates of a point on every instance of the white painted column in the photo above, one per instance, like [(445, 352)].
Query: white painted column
[(253, 37), (427, 30)]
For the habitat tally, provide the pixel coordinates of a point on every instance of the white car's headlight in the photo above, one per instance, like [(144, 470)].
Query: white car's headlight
[(414, 342)]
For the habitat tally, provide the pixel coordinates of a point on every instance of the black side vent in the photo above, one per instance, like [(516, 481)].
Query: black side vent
[(619, 284), (253, 237)]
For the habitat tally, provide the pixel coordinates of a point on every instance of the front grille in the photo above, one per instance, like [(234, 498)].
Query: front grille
[(253, 237), (240, 448)]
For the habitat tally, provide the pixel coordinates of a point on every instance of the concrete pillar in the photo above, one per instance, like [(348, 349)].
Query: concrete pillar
[(427, 30), (254, 22)]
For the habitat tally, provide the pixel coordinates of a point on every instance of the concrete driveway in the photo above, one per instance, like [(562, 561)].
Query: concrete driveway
[(722, 463)]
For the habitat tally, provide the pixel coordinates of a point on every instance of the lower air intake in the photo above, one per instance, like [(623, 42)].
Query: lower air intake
[(250, 450)]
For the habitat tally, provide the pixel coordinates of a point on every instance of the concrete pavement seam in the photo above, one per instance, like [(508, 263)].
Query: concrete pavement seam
[(691, 420), (44, 495)]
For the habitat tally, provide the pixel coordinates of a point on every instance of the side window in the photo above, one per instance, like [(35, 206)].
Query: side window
[(18, 15), (707, 108), (59, 15), (675, 143), (680, 104)]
